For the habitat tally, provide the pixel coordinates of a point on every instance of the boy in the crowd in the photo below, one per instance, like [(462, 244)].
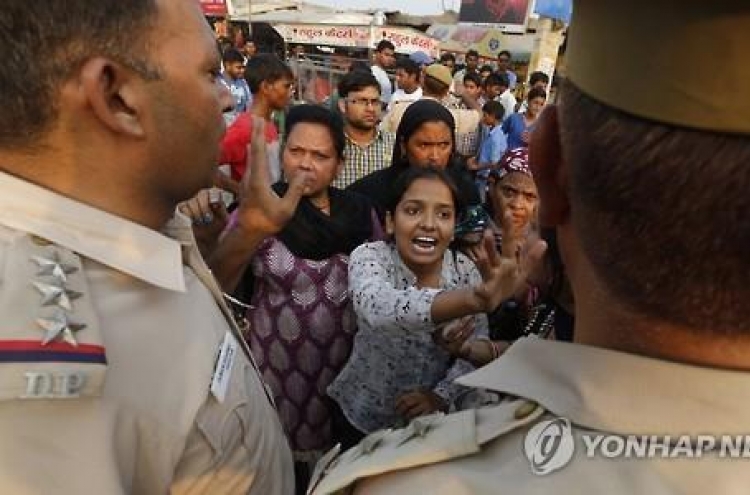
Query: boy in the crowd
[(473, 87), (270, 81), (492, 145), (232, 76)]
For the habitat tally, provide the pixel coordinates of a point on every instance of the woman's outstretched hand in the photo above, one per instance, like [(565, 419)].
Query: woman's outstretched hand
[(503, 274)]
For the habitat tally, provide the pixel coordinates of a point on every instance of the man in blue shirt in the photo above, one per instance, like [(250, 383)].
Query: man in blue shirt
[(234, 77), (492, 144)]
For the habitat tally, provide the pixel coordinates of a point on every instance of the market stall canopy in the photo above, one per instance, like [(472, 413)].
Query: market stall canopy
[(244, 10), (406, 40), (313, 14)]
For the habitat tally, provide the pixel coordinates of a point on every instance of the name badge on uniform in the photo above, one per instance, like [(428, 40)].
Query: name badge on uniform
[(223, 370)]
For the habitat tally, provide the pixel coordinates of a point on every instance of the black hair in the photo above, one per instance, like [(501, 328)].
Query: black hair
[(506, 53), (536, 93), (414, 117), (385, 45), (447, 56), (475, 78), (413, 174), (408, 65), (472, 53), (538, 76), (357, 81), (676, 259), (496, 79), (494, 108), (59, 37), (316, 114), (231, 56), (485, 68), (265, 67)]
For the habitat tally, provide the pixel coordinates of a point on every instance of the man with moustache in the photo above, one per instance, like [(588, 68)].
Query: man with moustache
[(368, 148)]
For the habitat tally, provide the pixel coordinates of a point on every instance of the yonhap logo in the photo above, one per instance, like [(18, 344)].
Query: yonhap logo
[(549, 445)]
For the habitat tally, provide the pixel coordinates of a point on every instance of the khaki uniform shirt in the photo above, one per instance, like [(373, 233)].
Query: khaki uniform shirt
[(119, 372), (490, 450), (467, 124)]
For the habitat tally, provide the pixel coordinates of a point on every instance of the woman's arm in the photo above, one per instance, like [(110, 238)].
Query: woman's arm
[(381, 305), (261, 213), (375, 298)]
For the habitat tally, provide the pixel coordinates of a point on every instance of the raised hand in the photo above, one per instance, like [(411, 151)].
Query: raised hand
[(261, 210), (209, 216), (503, 275)]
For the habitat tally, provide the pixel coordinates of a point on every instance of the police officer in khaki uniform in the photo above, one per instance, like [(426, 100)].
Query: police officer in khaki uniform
[(121, 370), (643, 170), (436, 80)]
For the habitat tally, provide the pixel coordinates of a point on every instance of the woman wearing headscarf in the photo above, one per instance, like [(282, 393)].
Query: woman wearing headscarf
[(425, 138), (543, 306)]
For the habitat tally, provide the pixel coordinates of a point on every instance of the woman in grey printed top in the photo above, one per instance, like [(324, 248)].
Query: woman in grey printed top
[(408, 292)]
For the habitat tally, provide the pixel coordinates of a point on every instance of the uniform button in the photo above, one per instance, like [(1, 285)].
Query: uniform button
[(40, 241), (525, 409)]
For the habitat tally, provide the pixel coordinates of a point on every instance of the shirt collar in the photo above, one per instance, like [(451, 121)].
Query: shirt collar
[(111, 240), (378, 137), (619, 392)]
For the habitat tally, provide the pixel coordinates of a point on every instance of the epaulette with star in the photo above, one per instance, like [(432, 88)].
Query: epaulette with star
[(51, 345)]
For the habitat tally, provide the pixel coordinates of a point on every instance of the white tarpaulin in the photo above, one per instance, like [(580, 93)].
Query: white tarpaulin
[(245, 10)]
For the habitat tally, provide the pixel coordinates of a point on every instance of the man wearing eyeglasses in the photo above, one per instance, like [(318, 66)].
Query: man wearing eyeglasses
[(367, 148)]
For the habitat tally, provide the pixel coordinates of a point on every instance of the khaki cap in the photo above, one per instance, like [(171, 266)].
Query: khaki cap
[(681, 62), (439, 72)]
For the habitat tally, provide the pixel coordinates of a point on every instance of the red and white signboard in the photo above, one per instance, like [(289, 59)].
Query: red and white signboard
[(327, 35), (214, 7), (406, 40)]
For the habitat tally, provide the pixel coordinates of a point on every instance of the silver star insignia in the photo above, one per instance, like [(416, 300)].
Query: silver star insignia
[(54, 266), (60, 328), (56, 295)]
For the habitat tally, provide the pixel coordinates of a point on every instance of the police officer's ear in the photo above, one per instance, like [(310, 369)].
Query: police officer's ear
[(114, 94), (550, 173)]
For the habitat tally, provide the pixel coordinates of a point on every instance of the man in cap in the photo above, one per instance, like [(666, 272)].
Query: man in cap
[(660, 359), (121, 370), (436, 79), (421, 59)]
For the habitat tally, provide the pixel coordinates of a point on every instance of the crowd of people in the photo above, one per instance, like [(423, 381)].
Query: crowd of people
[(342, 299), (208, 289)]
